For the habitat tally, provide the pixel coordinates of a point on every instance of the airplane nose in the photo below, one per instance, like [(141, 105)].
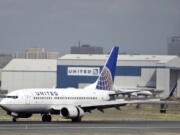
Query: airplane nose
[(3, 103)]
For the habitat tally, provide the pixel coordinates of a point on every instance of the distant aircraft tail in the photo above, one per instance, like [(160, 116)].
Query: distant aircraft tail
[(172, 91), (105, 80)]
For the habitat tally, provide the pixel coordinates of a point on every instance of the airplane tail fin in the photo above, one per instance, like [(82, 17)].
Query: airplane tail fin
[(172, 91), (105, 80)]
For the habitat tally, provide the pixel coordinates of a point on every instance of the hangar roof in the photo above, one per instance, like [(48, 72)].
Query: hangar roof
[(159, 58), (31, 65)]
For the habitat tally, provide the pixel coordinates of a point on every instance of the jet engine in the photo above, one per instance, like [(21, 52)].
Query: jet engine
[(141, 93), (21, 115), (71, 112)]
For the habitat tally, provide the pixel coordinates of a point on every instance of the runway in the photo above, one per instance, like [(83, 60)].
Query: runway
[(90, 127)]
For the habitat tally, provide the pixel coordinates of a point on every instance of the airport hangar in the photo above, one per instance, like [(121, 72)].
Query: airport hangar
[(159, 72), (29, 73)]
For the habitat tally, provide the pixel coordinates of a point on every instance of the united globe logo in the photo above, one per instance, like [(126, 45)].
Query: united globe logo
[(105, 81)]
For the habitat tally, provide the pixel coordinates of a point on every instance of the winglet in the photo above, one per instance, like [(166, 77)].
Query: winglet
[(105, 80)]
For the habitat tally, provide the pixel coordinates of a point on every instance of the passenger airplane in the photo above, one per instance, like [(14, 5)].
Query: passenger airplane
[(69, 103), (135, 92)]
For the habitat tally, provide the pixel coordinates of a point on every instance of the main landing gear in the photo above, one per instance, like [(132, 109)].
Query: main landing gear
[(77, 119), (14, 119), (46, 118)]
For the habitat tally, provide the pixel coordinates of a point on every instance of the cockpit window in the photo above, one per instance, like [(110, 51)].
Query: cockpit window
[(14, 97)]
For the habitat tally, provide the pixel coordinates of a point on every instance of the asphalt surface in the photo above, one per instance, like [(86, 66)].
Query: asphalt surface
[(90, 127)]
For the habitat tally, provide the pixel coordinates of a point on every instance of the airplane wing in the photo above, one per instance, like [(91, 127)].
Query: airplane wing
[(116, 103), (103, 104), (122, 102), (123, 93)]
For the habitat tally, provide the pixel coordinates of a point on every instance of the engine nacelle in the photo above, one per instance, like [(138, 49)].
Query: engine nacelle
[(21, 115), (141, 93), (72, 112), (135, 94)]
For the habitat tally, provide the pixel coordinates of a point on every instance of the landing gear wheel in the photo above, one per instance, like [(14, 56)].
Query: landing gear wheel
[(49, 118), (163, 108), (162, 111), (14, 119), (77, 119), (46, 118)]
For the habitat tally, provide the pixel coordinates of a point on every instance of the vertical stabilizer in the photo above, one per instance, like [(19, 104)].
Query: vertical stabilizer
[(105, 80)]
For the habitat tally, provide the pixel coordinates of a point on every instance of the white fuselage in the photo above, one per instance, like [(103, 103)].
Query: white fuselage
[(41, 100)]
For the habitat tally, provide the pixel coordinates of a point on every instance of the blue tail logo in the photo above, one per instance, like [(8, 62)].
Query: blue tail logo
[(106, 79)]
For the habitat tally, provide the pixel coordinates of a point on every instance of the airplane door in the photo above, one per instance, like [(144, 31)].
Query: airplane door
[(27, 99)]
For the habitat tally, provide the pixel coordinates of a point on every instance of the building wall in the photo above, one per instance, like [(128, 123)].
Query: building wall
[(178, 84), (36, 53), (126, 76), (64, 80), (13, 80), (163, 80), (148, 77), (126, 81), (175, 78), (86, 49)]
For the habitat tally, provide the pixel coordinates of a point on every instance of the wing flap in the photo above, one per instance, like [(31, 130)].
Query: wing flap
[(116, 103)]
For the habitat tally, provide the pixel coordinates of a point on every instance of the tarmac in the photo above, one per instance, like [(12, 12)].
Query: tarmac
[(91, 127), (145, 120)]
